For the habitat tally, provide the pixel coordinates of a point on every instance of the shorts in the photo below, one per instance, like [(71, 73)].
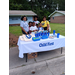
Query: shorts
[(45, 28)]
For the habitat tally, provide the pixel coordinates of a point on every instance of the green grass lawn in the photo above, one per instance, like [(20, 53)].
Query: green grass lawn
[(60, 28), (16, 30)]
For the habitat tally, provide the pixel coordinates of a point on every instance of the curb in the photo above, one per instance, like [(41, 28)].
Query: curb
[(13, 47), (35, 66)]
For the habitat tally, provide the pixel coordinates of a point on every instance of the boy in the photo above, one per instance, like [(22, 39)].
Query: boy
[(40, 27), (30, 24)]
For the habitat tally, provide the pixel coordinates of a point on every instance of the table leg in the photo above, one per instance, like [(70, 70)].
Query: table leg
[(26, 57), (61, 50)]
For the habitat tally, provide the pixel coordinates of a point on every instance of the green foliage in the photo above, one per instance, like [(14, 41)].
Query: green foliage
[(40, 7), (15, 6)]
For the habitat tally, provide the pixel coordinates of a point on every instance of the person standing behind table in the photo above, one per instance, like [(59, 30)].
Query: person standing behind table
[(24, 25), (36, 20), (45, 24)]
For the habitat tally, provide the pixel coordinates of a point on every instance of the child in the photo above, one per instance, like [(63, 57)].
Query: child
[(40, 28), (37, 26), (36, 20), (33, 28), (30, 24)]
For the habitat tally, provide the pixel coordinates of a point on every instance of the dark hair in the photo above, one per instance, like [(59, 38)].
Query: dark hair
[(40, 22), (33, 22), (35, 16), (36, 24), (30, 22), (44, 16), (23, 17)]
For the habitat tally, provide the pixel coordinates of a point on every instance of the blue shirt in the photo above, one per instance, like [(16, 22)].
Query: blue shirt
[(40, 28), (36, 22), (25, 25)]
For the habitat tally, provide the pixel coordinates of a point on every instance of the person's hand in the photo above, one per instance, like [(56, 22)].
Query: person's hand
[(26, 33), (33, 30)]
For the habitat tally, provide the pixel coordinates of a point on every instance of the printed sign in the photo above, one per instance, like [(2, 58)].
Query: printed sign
[(46, 44)]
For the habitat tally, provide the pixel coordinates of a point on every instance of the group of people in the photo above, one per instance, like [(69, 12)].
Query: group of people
[(30, 27)]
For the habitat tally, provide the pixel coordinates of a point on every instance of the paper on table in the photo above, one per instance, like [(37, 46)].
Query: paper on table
[(24, 38), (21, 37), (32, 35)]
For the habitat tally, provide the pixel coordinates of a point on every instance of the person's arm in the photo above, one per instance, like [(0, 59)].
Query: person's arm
[(24, 30), (30, 30), (47, 25), (34, 30)]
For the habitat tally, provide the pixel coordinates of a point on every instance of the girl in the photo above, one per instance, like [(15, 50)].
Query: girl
[(45, 23), (36, 20)]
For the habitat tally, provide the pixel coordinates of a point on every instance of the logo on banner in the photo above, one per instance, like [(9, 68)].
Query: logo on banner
[(46, 44)]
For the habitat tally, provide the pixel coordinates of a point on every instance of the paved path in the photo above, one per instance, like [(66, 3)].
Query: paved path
[(47, 63)]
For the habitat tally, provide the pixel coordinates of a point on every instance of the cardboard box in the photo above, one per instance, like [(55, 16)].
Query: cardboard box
[(32, 55)]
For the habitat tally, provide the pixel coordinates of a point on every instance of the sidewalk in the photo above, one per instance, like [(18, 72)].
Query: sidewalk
[(47, 63)]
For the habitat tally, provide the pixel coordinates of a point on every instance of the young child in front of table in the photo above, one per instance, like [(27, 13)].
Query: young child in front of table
[(40, 28), (30, 24), (33, 28)]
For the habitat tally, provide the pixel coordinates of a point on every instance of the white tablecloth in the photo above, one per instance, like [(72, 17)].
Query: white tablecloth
[(39, 46)]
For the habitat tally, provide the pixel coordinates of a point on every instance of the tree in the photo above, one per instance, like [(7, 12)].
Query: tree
[(61, 4), (40, 7), (19, 5)]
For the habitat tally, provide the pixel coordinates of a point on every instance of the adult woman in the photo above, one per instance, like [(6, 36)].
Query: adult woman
[(45, 23), (24, 25)]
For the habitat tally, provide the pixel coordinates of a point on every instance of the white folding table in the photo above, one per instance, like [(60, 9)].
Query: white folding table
[(39, 46)]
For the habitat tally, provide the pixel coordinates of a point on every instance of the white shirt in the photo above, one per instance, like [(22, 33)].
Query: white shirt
[(25, 25), (33, 28), (36, 22)]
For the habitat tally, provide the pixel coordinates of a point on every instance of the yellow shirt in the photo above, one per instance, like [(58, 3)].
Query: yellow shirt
[(44, 23)]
